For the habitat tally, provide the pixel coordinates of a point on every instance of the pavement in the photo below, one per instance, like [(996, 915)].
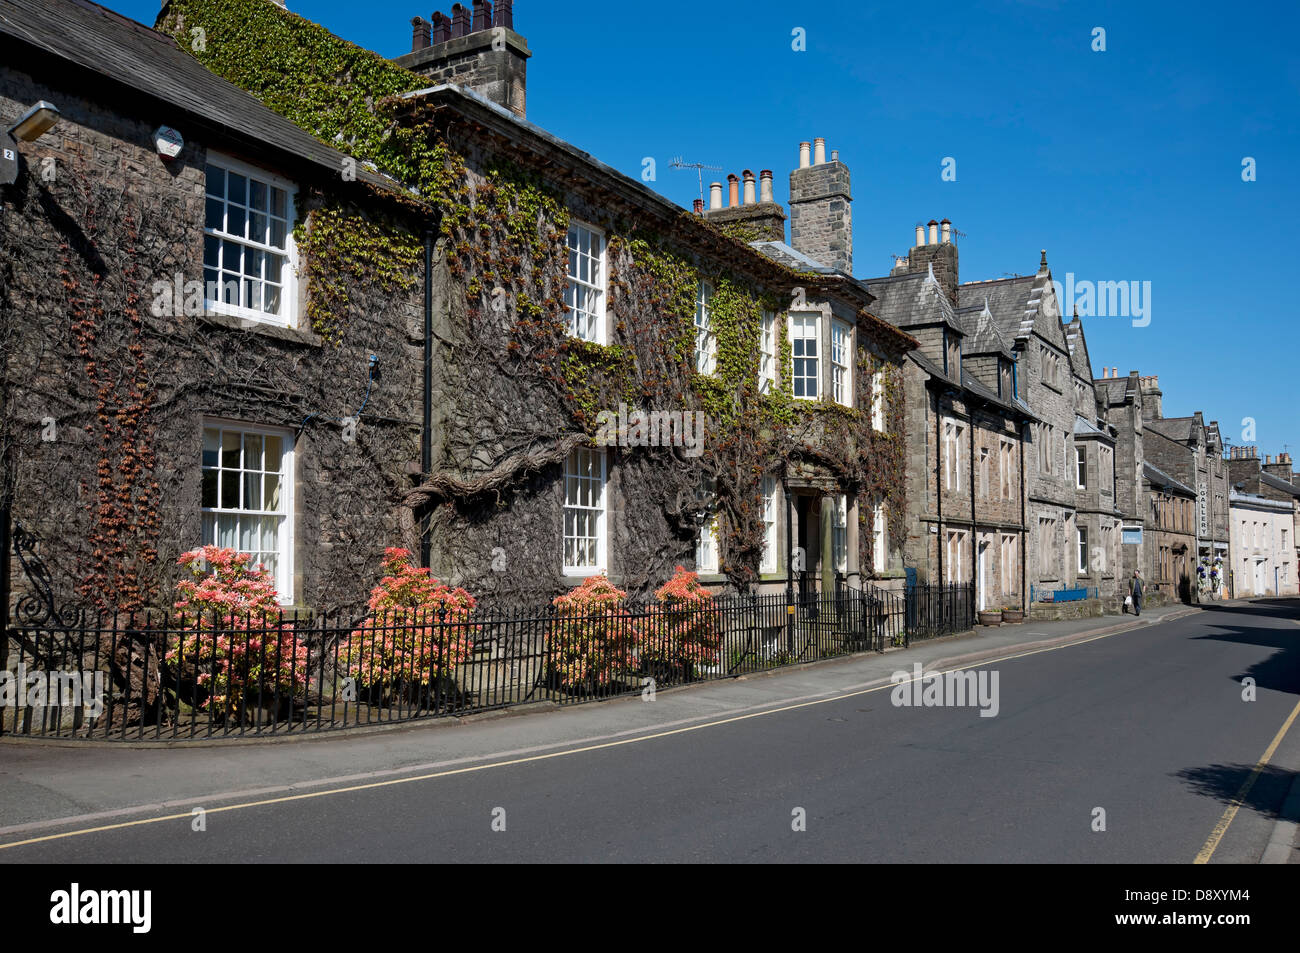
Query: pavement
[(49, 790)]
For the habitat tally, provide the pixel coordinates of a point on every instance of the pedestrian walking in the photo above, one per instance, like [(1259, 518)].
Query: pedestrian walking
[(1135, 590)]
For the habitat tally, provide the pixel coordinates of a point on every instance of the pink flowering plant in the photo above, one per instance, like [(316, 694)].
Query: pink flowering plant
[(416, 632), (594, 638), (234, 644), (687, 632)]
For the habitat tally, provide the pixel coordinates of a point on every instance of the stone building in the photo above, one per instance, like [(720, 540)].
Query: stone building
[(1071, 527), (499, 352), (965, 425), (1121, 403), (163, 386), (1269, 556), (1192, 451), (1170, 534)]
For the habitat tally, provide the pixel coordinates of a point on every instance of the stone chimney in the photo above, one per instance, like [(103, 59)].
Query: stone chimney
[(821, 215), (748, 217), (478, 49), (938, 251), (1280, 467), (1151, 395)]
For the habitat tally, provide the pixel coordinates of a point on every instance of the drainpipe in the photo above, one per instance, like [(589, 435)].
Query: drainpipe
[(1024, 529), (426, 432), (974, 535), (938, 482)]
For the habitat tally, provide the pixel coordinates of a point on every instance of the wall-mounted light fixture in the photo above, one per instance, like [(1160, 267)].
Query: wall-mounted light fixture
[(35, 122)]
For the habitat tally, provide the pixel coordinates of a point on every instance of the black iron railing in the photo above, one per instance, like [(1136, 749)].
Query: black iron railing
[(164, 676)]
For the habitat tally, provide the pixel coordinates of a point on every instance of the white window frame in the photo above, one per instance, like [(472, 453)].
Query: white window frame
[(879, 539), (1008, 563), (767, 353), (1006, 468), (1081, 536), (984, 466), (595, 317), (288, 315), (585, 468), (953, 432), (956, 543), (706, 547), (771, 545), (1081, 468), (283, 574), (802, 319), (706, 336), (878, 400), (840, 533), (841, 362)]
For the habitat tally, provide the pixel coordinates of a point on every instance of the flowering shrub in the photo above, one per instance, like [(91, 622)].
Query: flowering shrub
[(594, 638), (415, 632), (687, 633), (234, 642)]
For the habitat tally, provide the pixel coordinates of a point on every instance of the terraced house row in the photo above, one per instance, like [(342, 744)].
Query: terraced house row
[(312, 316)]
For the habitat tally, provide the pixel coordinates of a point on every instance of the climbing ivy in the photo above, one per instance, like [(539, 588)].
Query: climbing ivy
[(503, 229)]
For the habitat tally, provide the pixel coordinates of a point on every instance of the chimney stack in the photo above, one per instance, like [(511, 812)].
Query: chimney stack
[(931, 253), (821, 213), (745, 217), (419, 35), (481, 52)]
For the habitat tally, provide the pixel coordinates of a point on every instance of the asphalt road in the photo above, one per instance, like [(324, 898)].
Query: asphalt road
[(1148, 725)]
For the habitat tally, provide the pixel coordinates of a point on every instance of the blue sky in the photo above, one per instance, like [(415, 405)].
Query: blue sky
[(1126, 165)]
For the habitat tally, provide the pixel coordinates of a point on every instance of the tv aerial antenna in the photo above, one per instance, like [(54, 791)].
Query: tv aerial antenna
[(699, 167)]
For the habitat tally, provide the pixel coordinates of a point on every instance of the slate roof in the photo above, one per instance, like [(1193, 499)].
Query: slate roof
[(1175, 428), (1277, 483), (1159, 478), (912, 300), (1077, 343), (1084, 427), (1112, 390), (983, 336), (145, 61), (1017, 305)]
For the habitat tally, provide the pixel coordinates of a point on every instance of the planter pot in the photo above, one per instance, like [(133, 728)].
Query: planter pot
[(991, 618), (1013, 616)]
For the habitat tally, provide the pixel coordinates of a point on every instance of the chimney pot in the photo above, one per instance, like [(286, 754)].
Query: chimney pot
[(819, 151), (934, 231), (835, 155), (482, 15), (441, 28), (947, 231), (804, 148), (920, 235), (715, 195), (419, 34), (765, 186), (733, 186), (699, 206), (504, 14), (749, 188), (460, 21)]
